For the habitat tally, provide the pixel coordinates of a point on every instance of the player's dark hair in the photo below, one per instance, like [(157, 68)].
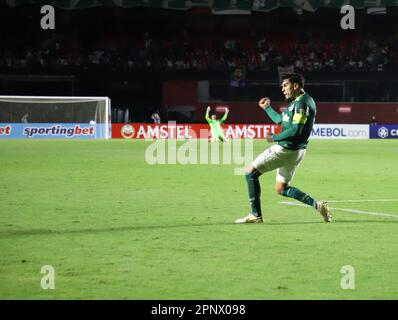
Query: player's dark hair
[(294, 78)]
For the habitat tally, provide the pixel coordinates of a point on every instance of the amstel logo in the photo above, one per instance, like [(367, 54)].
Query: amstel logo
[(127, 131)]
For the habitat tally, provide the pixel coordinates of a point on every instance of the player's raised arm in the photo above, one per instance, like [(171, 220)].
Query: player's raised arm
[(299, 119), (265, 104), (225, 116), (207, 114)]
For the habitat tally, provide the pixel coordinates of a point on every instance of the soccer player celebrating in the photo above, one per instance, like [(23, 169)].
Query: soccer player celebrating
[(285, 156), (215, 125)]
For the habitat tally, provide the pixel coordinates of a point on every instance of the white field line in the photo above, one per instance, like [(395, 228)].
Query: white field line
[(364, 200), (380, 214)]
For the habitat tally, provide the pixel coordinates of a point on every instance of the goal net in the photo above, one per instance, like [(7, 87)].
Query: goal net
[(55, 117)]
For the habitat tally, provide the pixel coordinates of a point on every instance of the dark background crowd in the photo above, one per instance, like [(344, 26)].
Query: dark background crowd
[(129, 53), (144, 39)]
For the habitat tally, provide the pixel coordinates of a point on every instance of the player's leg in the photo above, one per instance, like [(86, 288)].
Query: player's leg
[(254, 189), (265, 162), (285, 175), (292, 192), (219, 133)]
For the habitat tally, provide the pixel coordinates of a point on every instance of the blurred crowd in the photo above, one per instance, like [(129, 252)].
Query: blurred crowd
[(207, 54), (185, 49)]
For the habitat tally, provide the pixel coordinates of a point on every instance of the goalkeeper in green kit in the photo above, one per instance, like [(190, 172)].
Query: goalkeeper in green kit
[(215, 125)]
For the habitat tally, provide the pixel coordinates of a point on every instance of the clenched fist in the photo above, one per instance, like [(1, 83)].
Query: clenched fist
[(269, 137), (264, 103)]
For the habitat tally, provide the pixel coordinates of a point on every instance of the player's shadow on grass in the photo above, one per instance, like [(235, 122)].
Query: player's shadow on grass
[(34, 232)]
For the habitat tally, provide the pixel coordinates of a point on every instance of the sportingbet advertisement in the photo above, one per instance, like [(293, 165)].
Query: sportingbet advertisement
[(52, 131), (384, 131)]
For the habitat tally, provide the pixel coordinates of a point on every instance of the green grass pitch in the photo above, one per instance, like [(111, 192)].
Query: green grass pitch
[(115, 227)]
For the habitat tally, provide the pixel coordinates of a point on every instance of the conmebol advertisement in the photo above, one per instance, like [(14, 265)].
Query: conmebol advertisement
[(387, 131), (340, 131)]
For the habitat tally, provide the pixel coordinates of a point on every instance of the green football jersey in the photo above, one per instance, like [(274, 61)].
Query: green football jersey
[(296, 122), (215, 125)]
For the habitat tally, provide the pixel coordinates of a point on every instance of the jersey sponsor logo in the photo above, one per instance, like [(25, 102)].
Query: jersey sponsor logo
[(5, 131), (127, 131), (59, 130)]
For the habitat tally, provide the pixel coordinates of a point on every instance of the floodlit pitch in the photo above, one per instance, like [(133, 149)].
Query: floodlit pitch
[(101, 222)]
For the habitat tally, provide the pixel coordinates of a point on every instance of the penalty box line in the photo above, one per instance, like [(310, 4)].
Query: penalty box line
[(380, 214)]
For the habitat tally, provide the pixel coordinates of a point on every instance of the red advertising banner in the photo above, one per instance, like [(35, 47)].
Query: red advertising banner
[(190, 131)]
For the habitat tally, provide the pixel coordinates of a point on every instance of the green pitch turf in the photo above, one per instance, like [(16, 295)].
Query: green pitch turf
[(114, 227)]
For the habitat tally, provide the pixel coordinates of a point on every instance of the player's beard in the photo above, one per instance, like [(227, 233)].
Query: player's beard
[(288, 100), (292, 98)]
